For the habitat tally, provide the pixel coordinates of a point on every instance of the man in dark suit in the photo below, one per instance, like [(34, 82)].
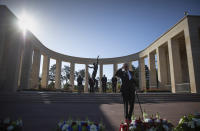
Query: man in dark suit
[(104, 83), (96, 85), (114, 84), (80, 85), (127, 90)]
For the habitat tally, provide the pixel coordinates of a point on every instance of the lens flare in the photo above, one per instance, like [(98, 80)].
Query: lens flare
[(26, 22)]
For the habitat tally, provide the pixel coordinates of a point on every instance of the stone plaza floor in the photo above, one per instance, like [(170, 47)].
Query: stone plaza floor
[(44, 116)]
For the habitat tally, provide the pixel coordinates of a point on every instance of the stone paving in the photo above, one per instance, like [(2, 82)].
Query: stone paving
[(43, 117)]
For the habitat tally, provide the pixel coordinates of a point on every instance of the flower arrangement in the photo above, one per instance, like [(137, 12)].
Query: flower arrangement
[(148, 124), (78, 125), (11, 125), (189, 123)]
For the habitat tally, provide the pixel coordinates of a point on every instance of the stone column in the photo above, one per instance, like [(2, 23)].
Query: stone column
[(45, 71), (175, 63), (11, 44), (2, 43), (20, 68), (100, 76), (35, 69), (162, 67), (115, 67), (58, 74), (72, 75), (142, 76), (26, 66), (192, 41), (86, 78), (152, 71)]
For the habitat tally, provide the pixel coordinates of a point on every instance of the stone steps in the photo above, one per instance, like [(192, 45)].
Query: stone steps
[(61, 97)]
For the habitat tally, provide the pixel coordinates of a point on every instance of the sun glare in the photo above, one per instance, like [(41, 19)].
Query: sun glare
[(26, 23)]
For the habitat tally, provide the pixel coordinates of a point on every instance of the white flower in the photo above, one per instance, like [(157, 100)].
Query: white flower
[(60, 124), (69, 122), (152, 129), (78, 123), (145, 115), (19, 123), (132, 127), (180, 121), (147, 120), (157, 120), (166, 127), (93, 127), (6, 121), (133, 122), (10, 128), (65, 127), (191, 124)]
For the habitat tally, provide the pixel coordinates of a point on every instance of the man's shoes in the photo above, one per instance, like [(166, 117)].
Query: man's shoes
[(128, 121)]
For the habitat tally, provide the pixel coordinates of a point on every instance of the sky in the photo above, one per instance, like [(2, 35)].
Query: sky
[(109, 28)]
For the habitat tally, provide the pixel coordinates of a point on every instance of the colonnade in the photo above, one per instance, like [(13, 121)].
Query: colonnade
[(168, 60), (173, 59)]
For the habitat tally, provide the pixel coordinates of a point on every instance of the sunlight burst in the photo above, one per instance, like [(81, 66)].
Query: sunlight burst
[(26, 22)]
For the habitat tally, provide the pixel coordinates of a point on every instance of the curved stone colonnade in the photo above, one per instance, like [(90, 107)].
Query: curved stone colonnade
[(31, 64), (177, 52)]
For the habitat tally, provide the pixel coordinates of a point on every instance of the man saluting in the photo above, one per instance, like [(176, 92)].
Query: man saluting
[(127, 90)]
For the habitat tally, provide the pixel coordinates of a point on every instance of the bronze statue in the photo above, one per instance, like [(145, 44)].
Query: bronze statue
[(95, 68)]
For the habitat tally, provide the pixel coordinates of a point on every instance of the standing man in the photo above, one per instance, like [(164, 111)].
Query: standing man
[(80, 85), (104, 83), (91, 83), (127, 90), (96, 85), (114, 84)]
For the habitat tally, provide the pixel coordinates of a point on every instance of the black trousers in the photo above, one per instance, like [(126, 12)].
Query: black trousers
[(91, 88), (114, 88), (104, 88), (129, 101)]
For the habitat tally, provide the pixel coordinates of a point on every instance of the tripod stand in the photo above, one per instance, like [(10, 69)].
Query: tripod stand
[(139, 102)]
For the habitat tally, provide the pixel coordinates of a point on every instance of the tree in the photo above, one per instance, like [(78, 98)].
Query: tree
[(147, 76), (52, 73), (136, 74), (80, 72), (65, 73)]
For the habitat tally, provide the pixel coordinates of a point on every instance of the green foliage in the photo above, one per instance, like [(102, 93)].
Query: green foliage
[(84, 128), (81, 73), (66, 87), (51, 85), (65, 73), (147, 76), (75, 127), (52, 73), (188, 123)]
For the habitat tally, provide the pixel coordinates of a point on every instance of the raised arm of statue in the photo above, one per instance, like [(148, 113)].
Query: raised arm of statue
[(97, 60), (90, 67)]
